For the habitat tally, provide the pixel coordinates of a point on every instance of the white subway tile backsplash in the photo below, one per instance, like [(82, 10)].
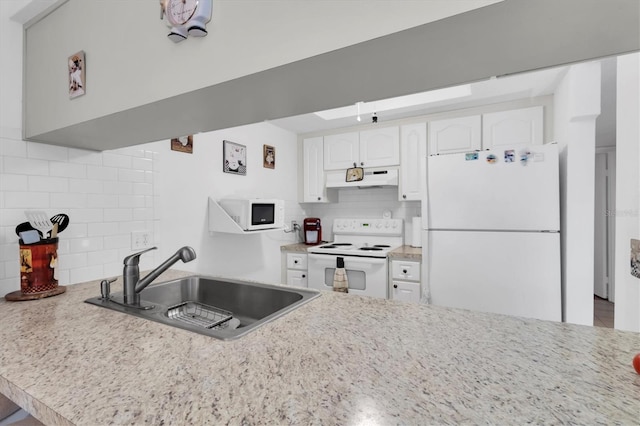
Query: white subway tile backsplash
[(68, 200), (85, 157), (102, 201), (48, 183), (47, 152), (106, 195), (143, 189), (118, 242), (102, 257), (82, 245), (102, 173), (118, 215), (86, 186), (66, 169), (145, 164), (110, 159), (89, 273), (118, 187), (102, 228), (73, 260), (12, 148), (9, 182), (26, 200), (128, 175), (26, 166)]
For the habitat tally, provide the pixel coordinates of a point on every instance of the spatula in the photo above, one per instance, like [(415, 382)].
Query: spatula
[(62, 220), (39, 220)]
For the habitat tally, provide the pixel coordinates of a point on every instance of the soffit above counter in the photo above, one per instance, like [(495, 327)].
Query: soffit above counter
[(504, 38)]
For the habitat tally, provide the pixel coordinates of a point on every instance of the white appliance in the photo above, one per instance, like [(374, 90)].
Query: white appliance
[(492, 232), (364, 245), (256, 213), (370, 178)]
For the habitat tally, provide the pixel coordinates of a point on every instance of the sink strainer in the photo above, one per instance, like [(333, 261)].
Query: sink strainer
[(198, 314)]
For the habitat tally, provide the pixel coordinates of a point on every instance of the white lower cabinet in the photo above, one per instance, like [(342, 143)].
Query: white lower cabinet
[(295, 269), (405, 281)]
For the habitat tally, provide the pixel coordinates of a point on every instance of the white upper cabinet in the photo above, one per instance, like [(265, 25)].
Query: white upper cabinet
[(513, 128), (314, 190), (380, 147), (455, 135), (369, 148), (413, 152), (341, 151)]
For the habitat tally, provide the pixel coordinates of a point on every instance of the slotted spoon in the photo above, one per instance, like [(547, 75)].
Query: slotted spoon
[(39, 220), (62, 220)]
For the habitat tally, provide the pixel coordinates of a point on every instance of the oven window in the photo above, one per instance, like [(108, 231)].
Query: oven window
[(357, 279), (262, 214)]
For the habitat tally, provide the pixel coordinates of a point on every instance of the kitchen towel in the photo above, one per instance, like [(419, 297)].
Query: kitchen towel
[(416, 232)]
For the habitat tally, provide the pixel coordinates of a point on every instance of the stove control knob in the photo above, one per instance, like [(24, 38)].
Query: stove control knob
[(394, 224), (379, 225), (386, 224)]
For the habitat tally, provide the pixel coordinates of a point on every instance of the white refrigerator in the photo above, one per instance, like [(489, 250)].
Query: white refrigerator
[(491, 238)]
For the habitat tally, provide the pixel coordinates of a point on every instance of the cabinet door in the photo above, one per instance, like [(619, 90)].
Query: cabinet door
[(314, 190), (515, 128), (380, 147), (297, 278), (406, 292), (455, 135), (341, 151), (413, 152), (297, 261)]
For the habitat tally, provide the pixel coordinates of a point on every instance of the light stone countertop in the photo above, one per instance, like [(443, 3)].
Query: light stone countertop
[(406, 252), (339, 359)]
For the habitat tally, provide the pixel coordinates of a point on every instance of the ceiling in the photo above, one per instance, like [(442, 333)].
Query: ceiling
[(503, 89)]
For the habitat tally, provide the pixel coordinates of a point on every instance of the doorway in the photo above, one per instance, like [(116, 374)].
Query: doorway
[(604, 252)]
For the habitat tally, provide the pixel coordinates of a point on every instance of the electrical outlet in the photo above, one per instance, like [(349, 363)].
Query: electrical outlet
[(294, 225), (141, 240)]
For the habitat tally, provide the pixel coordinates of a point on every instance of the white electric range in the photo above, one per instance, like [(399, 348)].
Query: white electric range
[(364, 245)]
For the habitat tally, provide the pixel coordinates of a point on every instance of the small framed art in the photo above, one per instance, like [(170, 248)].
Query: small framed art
[(234, 158), (77, 78), (268, 157)]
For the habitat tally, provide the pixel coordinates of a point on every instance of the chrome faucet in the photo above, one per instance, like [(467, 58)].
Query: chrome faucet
[(133, 285)]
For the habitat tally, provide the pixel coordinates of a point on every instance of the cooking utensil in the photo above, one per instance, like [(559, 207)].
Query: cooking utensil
[(62, 220), (23, 227), (39, 220), (30, 237)]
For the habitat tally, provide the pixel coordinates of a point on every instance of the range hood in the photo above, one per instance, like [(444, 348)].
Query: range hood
[(371, 178)]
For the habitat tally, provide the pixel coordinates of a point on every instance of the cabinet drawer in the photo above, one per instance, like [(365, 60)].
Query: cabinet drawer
[(405, 291), (405, 270), (297, 278), (297, 261)]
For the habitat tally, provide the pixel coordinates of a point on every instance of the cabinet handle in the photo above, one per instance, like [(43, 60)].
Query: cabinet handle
[(404, 271), (295, 261), (395, 286), (362, 163), (319, 198), (304, 276), (404, 196)]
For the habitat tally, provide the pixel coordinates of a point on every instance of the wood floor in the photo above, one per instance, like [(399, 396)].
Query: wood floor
[(602, 312)]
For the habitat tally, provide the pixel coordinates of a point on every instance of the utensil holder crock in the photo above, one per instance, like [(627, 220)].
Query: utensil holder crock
[(38, 264)]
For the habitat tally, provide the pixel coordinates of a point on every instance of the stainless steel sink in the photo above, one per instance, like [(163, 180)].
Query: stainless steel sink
[(222, 308)]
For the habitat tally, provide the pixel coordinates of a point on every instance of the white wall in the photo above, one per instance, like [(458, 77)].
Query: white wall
[(627, 309), (577, 105), (187, 180), (107, 195)]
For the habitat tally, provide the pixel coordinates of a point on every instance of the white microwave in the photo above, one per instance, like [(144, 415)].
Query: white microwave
[(256, 213)]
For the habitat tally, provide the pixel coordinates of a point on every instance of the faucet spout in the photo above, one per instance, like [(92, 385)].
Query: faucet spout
[(133, 285), (186, 254)]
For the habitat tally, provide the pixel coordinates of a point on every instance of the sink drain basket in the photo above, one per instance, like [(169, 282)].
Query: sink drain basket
[(198, 314)]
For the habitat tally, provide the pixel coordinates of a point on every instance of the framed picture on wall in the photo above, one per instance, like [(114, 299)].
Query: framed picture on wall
[(76, 65), (269, 157), (234, 157)]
